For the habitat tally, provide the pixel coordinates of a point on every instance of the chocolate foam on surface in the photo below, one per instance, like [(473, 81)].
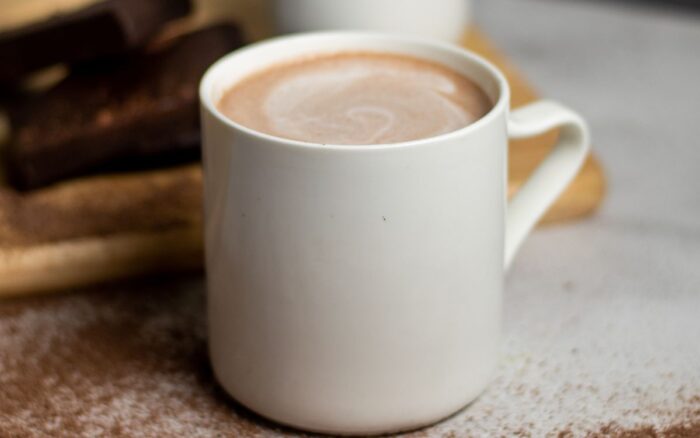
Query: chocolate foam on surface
[(356, 99)]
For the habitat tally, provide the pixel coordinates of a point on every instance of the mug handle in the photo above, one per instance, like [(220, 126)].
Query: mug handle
[(553, 175)]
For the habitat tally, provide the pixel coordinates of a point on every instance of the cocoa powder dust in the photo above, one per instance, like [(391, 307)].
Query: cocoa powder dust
[(131, 360)]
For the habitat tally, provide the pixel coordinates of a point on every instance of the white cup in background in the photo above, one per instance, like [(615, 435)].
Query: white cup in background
[(442, 19)]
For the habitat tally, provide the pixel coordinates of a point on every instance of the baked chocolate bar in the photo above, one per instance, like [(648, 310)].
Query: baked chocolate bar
[(106, 27), (106, 112)]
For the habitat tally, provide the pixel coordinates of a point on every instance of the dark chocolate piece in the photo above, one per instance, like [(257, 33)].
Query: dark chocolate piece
[(123, 110), (107, 27)]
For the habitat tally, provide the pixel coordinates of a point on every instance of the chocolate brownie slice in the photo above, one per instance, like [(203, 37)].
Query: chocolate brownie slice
[(124, 109), (107, 27)]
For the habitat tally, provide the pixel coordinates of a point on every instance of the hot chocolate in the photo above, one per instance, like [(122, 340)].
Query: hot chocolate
[(355, 99)]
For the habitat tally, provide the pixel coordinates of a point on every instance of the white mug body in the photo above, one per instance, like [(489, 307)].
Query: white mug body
[(357, 289), (442, 19), (354, 289)]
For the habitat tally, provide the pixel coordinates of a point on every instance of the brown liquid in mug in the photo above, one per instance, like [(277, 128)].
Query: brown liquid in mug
[(355, 99)]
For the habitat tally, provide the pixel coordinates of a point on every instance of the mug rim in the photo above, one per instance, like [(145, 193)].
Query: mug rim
[(362, 37)]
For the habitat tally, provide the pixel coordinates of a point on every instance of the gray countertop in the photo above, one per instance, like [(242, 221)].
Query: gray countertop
[(602, 317)]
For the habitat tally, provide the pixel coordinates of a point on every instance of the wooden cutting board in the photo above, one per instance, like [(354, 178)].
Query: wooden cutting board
[(108, 227)]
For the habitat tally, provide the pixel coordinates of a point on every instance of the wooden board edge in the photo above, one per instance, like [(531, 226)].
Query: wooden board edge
[(82, 262), (590, 185)]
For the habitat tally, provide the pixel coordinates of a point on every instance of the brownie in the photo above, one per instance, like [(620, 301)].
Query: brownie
[(125, 109), (104, 28)]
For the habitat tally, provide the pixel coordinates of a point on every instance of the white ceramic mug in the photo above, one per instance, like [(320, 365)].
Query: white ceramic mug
[(357, 289), (443, 19)]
